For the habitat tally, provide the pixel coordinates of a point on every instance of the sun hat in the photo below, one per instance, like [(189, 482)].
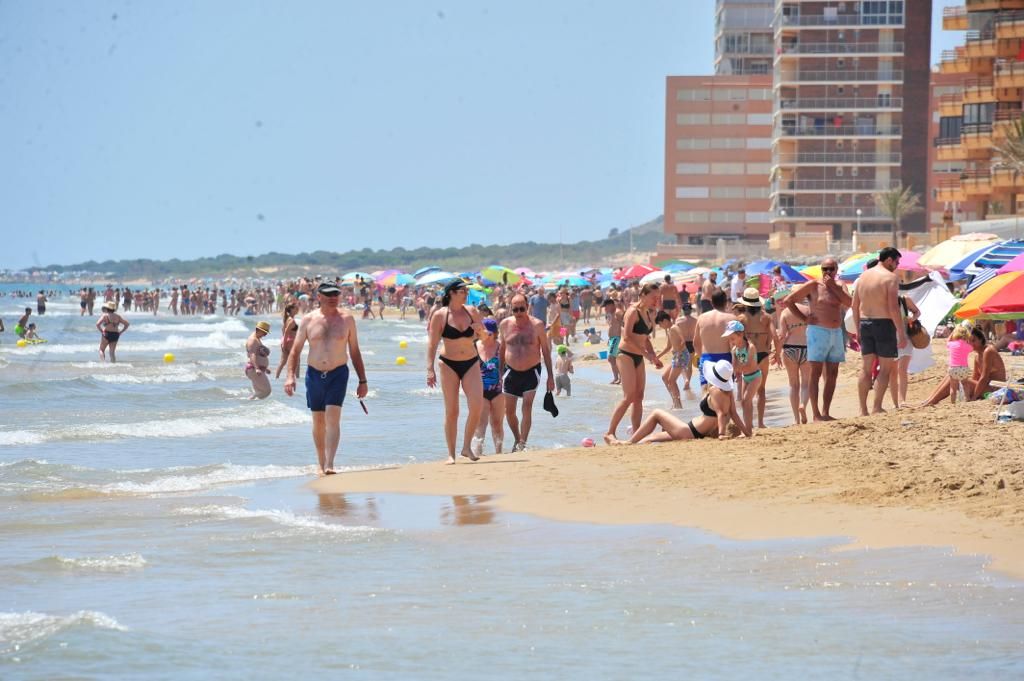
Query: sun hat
[(719, 374), (263, 326), (751, 298), (733, 327), (328, 288), (491, 325), (110, 305)]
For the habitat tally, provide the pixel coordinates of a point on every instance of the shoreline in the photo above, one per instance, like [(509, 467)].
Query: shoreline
[(946, 476)]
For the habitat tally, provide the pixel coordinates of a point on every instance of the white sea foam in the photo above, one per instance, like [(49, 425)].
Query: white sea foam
[(301, 523), (20, 628), (226, 325), (418, 338), (168, 377), (128, 561), (102, 365), (426, 392), (20, 437), (217, 340), (204, 478)]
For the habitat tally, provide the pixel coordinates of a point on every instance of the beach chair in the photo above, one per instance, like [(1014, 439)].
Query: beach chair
[(1014, 380)]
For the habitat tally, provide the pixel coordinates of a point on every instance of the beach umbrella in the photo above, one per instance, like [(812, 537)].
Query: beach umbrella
[(435, 277), (1015, 265), (424, 270), (396, 278), (953, 250), (676, 266), (525, 271), (854, 267), (789, 273), (574, 280), (655, 277), (352, 276), (992, 256), (811, 272), (970, 306), (910, 261), (500, 274), (634, 272), (1007, 302)]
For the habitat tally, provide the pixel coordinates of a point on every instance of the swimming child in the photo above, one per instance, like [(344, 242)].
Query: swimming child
[(745, 363), (959, 347), (563, 367)]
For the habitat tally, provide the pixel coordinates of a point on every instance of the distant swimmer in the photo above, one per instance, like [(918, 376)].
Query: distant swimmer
[(41, 303), (332, 341), (258, 367), (110, 325), (31, 335), (22, 325)]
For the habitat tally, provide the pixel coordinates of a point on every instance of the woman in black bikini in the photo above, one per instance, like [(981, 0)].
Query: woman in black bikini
[(637, 326), (716, 410), (457, 324)]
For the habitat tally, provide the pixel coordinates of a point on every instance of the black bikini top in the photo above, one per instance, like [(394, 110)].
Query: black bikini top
[(451, 333), (640, 326), (705, 408)]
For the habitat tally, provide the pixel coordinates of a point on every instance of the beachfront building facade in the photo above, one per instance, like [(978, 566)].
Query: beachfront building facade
[(850, 118), (991, 63), (744, 41), (946, 205), (717, 160)]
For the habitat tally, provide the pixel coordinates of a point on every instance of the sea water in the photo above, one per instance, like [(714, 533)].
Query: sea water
[(157, 524)]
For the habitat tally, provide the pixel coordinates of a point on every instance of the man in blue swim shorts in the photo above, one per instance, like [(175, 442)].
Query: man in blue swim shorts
[(708, 342), (331, 333)]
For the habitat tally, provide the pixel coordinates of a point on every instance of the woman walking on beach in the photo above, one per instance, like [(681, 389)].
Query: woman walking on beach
[(258, 366), (456, 324), (289, 328), (493, 405), (794, 358), (717, 409), (761, 332), (637, 327)]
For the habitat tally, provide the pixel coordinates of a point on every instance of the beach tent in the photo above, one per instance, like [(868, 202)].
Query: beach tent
[(992, 256), (789, 273), (954, 250), (970, 307)]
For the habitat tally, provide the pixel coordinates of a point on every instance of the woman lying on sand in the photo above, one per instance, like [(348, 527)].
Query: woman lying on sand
[(717, 408)]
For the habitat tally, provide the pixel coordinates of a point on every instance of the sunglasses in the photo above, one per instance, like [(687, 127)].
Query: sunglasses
[(518, 309), (335, 294), (829, 269)]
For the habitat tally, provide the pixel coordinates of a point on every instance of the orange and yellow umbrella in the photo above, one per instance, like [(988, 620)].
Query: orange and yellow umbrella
[(971, 306)]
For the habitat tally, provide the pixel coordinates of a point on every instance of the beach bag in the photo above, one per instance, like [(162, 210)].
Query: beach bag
[(919, 338)]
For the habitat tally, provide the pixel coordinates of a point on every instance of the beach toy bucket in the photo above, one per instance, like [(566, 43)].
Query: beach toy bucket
[(603, 354)]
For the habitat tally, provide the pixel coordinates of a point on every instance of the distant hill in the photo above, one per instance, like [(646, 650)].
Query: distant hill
[(615, 248)]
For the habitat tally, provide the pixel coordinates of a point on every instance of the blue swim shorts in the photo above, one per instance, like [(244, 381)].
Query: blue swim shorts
[(825, 345), (613, 346), (710, 357), (326, 387)]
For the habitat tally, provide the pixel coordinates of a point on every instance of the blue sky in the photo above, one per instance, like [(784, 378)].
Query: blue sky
[(181, 129)]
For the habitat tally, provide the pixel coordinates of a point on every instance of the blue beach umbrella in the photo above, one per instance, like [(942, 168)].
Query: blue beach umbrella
[(789, 273), (435, 278), (992, 256), (424, 270), (571, 281)]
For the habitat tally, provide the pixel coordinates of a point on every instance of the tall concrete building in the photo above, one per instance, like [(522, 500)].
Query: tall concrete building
[(991, 61), (947, 205), (717, 158), (850, 115), (743, 37)]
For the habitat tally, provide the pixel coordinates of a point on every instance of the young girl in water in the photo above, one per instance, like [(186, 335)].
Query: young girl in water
[(744, 361)]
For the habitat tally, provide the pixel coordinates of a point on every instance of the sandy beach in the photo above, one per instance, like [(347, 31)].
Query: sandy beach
[(943, 476)]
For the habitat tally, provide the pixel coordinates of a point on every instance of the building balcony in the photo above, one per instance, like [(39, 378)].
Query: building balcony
[(1010, 25), (832, 186), (828, 213), (949, 190), (949, 149), (1009, 75), (955, 19), (1007, 178), (992, 5), (849, 158), (976, 136), (978, 91), (1005, 120), (819, 21), (985, 45), (840, 131), (975, 183), (837, 76), (951, 104), (844, 104), (799, 49), (958, 61)]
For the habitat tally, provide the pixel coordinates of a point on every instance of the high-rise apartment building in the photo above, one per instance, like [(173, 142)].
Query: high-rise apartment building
[(850, 115), (946, 204), (717, 158), (991, 61), (743, 37)]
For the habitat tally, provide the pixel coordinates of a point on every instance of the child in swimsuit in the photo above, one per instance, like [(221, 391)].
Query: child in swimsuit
[(745, 364)]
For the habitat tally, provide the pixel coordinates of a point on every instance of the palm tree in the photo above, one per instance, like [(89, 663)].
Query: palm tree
[(897, 203)]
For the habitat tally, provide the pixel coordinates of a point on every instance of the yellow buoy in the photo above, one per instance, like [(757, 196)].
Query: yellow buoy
[(400, 361), (403, 344), (586, 344), (21, 343), (168, 358)]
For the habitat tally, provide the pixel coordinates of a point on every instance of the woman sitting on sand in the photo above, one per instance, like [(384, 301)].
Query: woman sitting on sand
[(716, 410), (988, 367), (457, 325)]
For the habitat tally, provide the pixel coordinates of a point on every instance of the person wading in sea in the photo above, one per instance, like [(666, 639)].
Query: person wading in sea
[(332, 342), (523, 346)]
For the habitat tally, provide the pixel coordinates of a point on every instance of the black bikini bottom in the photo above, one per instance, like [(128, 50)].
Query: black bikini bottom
[(637, 359), (696, 433), (762, 356), (460, 366)]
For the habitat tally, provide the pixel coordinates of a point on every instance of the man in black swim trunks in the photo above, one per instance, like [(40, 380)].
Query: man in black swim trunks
[(881, 330), (522, 343), (331, 333)]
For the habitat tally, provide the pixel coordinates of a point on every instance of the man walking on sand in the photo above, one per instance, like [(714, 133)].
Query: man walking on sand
[(709, 343), (881, 330), (523, 344), (707, 289), (332, 342), (826, 345)]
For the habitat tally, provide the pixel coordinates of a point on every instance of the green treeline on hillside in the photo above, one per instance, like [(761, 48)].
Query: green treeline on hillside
[(540, 256)]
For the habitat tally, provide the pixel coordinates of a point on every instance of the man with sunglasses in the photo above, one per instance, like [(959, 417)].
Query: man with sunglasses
[(826, 344), (521, 345), (331, 333)]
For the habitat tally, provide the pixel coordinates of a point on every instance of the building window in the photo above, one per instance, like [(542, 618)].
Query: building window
[(727, 168), (839, 171), (691, 192), (691, 216), (882, 12), (759, 168), (759, 119), (693, 119), (727, 192), (949, 126), (691, 169), (696, 95), (689, 143)]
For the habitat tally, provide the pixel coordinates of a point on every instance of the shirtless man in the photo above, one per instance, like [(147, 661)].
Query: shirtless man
[(707, 289), (826, 346), (522, 343), (110, 325), (880, 329), (41, 303), (708, 342), (670, 298), (613, 315), (332, 342), (988, 367), (22, 324)]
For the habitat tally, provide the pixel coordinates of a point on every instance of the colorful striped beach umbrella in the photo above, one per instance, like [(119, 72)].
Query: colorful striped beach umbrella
[(952, 251), (992, 256), (971, 306), (1007, 302), (1015, 265)]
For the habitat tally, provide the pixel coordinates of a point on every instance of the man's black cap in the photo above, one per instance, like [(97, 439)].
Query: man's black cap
[(328, 288), (549, 404)]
